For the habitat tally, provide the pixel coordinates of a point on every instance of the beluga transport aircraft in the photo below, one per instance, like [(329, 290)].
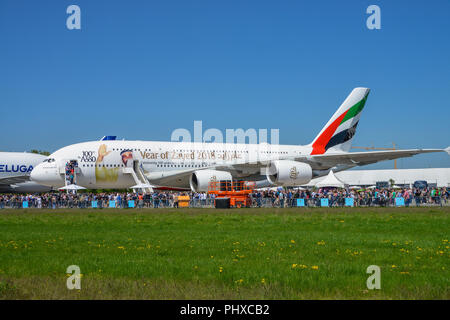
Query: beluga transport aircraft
[(111, 163), (15, 169)]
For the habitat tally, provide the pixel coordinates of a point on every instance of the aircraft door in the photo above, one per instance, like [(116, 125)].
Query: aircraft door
[(70, 171)]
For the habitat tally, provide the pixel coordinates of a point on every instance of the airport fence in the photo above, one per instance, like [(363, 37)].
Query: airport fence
[(17, 203), (351, 202)]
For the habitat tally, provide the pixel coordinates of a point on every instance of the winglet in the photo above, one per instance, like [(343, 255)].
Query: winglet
[(447, 150)]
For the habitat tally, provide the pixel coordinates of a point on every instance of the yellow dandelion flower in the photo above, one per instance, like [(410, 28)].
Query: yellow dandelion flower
[(315, 267), (263, 281)]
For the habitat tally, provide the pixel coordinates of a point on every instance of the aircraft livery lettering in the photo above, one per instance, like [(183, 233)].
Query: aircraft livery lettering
[(194, 155), (88, 156), (15, 168)]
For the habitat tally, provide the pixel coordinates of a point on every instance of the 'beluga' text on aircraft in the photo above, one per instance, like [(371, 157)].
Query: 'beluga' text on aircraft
[(15, 169), (186, 165)]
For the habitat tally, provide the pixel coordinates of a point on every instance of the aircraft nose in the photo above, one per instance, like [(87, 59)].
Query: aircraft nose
[(46, 176), (37, 174)]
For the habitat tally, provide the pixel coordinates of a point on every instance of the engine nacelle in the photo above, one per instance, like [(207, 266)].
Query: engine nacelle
[(199, 180), (289, 173)]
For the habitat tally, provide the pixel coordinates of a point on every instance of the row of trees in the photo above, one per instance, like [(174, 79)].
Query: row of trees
[(44, 153)]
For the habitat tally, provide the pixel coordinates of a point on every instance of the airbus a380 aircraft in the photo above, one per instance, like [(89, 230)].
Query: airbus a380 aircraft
[(186, 165)]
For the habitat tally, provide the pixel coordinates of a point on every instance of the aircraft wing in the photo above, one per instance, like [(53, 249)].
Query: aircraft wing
[(326, 161), (329, 160), (14, 179)]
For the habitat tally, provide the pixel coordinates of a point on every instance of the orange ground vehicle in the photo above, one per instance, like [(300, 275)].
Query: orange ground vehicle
[(183, 201), (237, 191)]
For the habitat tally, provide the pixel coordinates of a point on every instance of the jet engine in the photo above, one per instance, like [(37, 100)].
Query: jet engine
[(199, 180), (288, 173)]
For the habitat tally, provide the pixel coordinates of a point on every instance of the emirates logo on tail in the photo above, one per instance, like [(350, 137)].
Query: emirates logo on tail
[(351, 132)]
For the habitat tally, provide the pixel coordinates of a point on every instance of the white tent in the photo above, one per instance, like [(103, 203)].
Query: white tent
[(268, 189), (72, 187), (355, 187), (330, 181), (141, 186)]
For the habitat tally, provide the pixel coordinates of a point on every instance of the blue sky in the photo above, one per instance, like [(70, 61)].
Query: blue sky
[(140, 69)]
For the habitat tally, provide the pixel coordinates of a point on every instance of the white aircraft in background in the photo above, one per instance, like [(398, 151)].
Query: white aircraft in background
[(186, 165), (15, 169)]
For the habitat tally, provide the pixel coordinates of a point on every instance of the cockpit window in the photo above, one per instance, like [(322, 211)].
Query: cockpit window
[(49, 160)]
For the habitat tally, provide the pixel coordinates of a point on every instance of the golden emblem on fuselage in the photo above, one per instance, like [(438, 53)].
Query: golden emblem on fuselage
[(293, 173)]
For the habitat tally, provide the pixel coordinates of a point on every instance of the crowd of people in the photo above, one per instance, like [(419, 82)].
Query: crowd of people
[(70, 172), (260, 198), (373, 197), (102, 200)]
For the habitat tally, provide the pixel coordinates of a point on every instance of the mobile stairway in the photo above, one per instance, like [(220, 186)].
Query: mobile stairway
[(139, 177)]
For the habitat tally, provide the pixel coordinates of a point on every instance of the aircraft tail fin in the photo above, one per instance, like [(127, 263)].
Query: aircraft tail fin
[(337, 135)]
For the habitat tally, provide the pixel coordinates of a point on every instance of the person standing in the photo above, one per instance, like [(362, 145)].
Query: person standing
[(140, 201), (175, 200), (281, 198)]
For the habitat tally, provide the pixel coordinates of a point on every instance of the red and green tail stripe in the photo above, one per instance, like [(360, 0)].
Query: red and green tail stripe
[(327, 139)]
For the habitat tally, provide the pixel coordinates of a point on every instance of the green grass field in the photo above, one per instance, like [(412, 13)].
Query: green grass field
[(225, 254)]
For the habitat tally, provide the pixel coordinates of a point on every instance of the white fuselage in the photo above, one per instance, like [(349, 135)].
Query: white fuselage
[(101, 164), (17, 166)]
